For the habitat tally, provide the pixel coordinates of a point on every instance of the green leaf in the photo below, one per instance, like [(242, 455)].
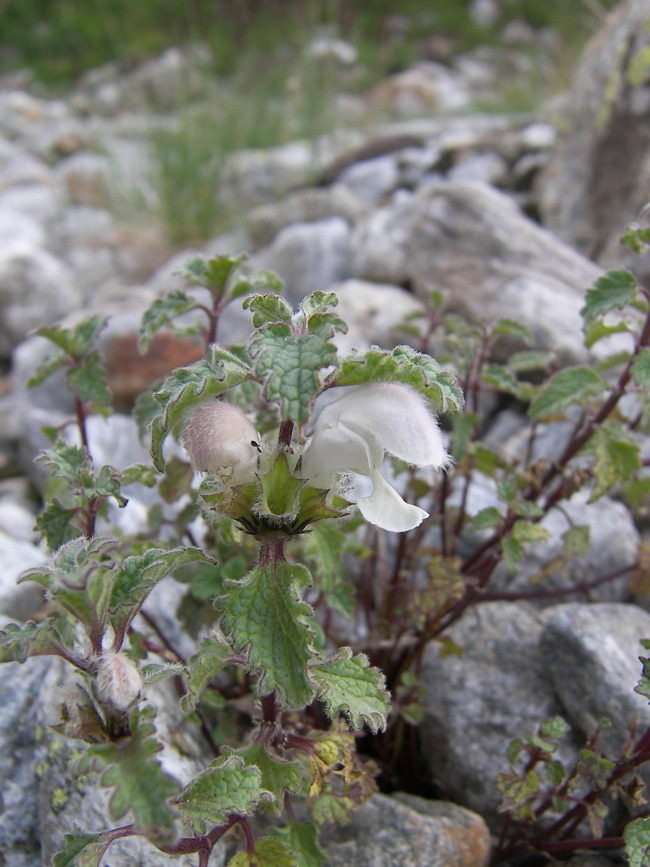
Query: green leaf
[(265, 616), (57, 525), (524, 532), (502, 379), (486, 519), (513, 552), (211, 657), (512, 328), (637, 842), (576, 540), (611, 291), (525, 362), (596, 330), (138, 783), (161, 313), (19, 642), (187, 386), (617, 457), (573, 385), (463, 426), (227, 786), (349, 685), (279, 776), (323, 548), (268, 309), (214, 274), (74, 341), (288, 354), (81, 850), (138, 575), (47, 367), (517, 793), (302, 838), (87, 379), (154, 672), (641, 369), (269, 852), (403, 364)]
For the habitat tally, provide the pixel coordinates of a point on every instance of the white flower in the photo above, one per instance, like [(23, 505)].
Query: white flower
[(220, 439), (355, 431)]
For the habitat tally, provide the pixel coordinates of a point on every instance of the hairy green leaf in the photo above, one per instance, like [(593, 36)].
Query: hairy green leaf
[(617, 457), (269, 852), (227, 786), (138, 575), (19, 642), (524, 362), (323, 548), (138, 783), (161, 313), (279, 776), (403, 364), (81, 850), (57, 524), (637, 842), (265, 616), (188, 386), (573, 385), (289, 353), (512, 328), (486, 519), (202, 667), (349, 685), (302, 838), (502, 379), (611, 291)]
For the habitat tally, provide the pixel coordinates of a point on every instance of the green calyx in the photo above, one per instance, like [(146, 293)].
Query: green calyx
[(277, 502)]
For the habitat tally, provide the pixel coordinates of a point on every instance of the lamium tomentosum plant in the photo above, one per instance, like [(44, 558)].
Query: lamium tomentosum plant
[(287, 442)]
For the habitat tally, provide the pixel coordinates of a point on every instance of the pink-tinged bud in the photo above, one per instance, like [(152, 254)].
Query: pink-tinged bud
[(118, 682), (220, 439)]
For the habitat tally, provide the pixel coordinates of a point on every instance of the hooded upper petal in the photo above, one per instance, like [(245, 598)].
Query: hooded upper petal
[(354, 431)]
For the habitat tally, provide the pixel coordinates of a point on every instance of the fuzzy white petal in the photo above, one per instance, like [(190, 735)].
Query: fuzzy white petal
[(391, 417), (335, 448), (386, 509)]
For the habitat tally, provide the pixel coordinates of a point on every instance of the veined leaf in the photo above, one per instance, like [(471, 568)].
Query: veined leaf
[(502, 379), (279, 776), (288, 354), (81, 850), (611, 291), (139, 784), (269, 852), (486, 519), (265, 616), (641, 369), (136, 577), (617, 457), (187, 386), (302, 838), (349, 685), (512, 328), (19, 642), (523, 362), (637, 842), (403, 364), (161, 313), (573, 385), (226, 787), (202, 667)]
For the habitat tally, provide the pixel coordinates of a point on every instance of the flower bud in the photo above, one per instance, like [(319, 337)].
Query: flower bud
[(220, 439), (117, 682)]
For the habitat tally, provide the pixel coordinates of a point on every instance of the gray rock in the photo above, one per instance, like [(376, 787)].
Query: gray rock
[(308, 256), (380, 243), (475, 244), (411, 832), (20, 685), (19, 601), (488, 168), (591, 654), (477, 703), (599, 175), (302, 206), (35, 289), (85, 177), (371, 180), (40, 202)]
